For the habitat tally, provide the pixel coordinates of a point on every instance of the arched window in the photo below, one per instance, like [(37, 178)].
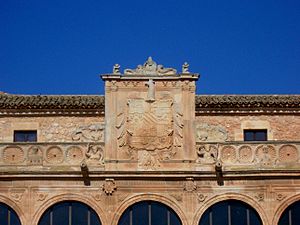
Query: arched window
[(230, 212), (8, 216), (70, 213), (149, 213), (291, 216)]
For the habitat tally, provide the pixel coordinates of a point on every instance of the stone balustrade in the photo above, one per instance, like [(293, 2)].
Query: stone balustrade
[(232, 155), (247, 155), (45, 155)]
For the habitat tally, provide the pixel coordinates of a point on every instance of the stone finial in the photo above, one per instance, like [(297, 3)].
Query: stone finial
[(185, 68), (116, 69)]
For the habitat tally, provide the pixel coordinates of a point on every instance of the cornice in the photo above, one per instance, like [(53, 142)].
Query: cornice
[(94, 104), (51, 104), (247, 104)]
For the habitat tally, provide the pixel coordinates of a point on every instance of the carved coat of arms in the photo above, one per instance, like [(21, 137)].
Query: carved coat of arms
[(150, 126)]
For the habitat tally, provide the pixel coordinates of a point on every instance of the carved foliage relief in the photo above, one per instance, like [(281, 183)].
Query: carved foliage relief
[(207, 132), (57, 132), (150, 130)]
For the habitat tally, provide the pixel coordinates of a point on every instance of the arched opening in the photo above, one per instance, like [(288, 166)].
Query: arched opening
[(8, 216), (70, 213), (291, 215), (149, 213), (230, 212)]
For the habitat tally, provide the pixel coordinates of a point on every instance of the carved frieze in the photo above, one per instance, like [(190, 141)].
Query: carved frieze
[(210, 133), (59, 132), (89, 133)]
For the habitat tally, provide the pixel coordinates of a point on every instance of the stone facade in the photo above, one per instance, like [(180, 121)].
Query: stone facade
[(149, 138)]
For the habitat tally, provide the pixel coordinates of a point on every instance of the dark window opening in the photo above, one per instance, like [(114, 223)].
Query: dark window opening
[(149, 213), (291, 216), (255, 135), (8, 216), (230, 212), (70, 213), (25, 136)]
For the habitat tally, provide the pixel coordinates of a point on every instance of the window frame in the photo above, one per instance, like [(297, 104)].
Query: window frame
[(255, 132), (26, 134)]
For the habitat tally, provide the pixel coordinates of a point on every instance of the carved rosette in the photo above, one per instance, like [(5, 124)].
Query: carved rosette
[(109, 186), (17, 194), (288, 154), (54, 155), (190, 185), (75, 154), (13, 155), (228, 154), (201, 197), (246, 154)]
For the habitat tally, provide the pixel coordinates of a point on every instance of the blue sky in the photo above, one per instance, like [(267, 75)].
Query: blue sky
[(238, 46)]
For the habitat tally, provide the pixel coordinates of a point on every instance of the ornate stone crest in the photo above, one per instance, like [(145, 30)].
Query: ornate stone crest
[(152, 126), (150, 68)]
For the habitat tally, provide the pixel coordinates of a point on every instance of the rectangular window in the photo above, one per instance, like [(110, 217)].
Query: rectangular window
[(25, 136), (256, 135)]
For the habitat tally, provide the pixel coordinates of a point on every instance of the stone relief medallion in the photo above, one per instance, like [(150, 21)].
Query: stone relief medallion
[(75, 154), (246, 154), (228, 154), (13, 155), (35, 156), (94, 154), (109, 186), (151, 125), (190, 185), (288, 153), (54, 155), (266, 154), (207, 154)]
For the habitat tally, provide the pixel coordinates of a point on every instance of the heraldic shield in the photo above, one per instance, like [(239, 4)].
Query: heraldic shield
[(150, 124)]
